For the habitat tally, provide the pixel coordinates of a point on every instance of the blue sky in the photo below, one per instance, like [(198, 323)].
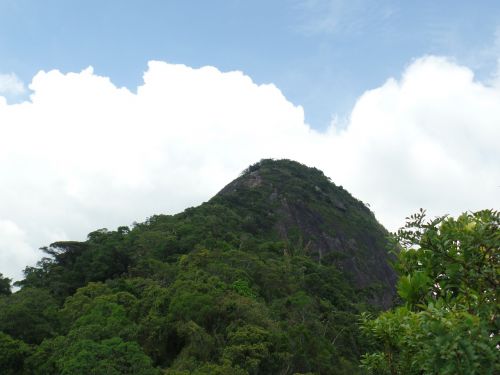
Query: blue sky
[(414, 87), (322, 54)]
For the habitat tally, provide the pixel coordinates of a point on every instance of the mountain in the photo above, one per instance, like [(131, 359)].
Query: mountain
[(314, 216), (267, 277)]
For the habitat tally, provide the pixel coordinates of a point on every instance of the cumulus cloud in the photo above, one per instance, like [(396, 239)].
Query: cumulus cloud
[(10, 84), (428, 140), (15, 251), (84, 154)]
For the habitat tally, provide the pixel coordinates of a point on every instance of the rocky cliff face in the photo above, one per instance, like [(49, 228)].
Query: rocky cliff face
[(311, 215)]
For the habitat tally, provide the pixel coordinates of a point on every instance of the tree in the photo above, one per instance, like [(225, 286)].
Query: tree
[(111, 357), (448, 280), (5, 285), (29, 315), (12, 354)]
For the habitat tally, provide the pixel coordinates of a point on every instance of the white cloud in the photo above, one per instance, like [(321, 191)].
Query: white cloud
[(429, 140), (16, 253), (10, 84), (84, 154)]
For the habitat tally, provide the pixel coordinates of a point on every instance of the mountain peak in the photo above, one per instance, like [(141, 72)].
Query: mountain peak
[(310, 214)]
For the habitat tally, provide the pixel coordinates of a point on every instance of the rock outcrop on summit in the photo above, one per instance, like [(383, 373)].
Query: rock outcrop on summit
[(312, 215)]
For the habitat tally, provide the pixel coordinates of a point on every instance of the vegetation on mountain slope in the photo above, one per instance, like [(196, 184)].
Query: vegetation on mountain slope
[(268, 277)]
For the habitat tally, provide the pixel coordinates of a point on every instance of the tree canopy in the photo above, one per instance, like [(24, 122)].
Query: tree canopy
[(448, 284)]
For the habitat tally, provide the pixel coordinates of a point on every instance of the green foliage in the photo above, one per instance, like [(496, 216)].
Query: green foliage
[(12, 355), (247, 347), (5, 288), (243, 288), (449, 282), (109, 357), (73, 264), (84, 356), (268, 277), (29, 315), (412, 288)]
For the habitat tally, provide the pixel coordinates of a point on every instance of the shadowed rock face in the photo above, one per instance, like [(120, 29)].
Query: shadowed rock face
[(313, 216)]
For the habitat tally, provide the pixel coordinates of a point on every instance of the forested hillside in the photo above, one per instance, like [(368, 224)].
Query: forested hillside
[(268, 277)]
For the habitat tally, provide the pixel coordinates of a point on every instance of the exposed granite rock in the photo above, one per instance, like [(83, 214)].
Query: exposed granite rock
[(313, 215)]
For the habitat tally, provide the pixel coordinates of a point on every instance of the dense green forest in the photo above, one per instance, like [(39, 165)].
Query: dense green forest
[(282, 272)]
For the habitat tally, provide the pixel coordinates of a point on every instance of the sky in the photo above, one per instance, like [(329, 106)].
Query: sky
[(112, 111)]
